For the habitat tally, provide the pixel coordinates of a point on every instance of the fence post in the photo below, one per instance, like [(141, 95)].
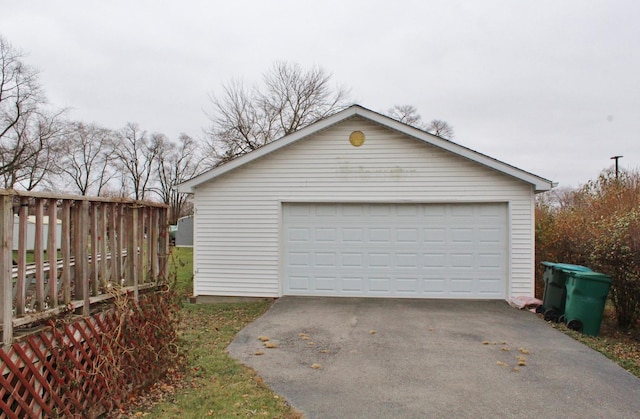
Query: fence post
[(52, 252), (38, 255), (133, 248), (164, 243), (22, 256), (114, 243), (95, 251), (65, 245), (81, 233), (6, 262)]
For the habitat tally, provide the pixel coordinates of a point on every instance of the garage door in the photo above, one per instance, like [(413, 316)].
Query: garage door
[(396, 250)]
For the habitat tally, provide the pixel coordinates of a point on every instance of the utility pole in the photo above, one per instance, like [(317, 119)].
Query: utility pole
[(616, 158)]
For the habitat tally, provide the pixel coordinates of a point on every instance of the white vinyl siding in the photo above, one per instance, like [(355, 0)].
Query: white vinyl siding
[(238, 217)]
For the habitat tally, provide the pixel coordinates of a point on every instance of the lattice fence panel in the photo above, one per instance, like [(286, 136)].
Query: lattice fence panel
[(85, 367)]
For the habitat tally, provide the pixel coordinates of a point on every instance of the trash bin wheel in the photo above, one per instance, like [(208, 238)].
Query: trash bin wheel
[(540, 309), (551, 314), (575, 324), (562, 319)]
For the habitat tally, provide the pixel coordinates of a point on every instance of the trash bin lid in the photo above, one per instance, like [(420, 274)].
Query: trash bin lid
[(569, 267), (590, 276)]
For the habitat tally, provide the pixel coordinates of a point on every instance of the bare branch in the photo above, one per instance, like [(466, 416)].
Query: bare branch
[(244, 119)]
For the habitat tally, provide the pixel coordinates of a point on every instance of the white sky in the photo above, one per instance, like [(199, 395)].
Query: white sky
[(549, 86)]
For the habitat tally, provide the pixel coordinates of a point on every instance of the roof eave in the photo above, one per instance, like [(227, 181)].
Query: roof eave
[(540, 184)]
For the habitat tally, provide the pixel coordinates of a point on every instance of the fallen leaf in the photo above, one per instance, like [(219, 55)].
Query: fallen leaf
[(305, 338), (310, 343), (516, 369), (259, 353), (504, 348), (270, 345), (501, 364), (485, 342), (372, 332), (263, 338), (523, 350), (316, 366)]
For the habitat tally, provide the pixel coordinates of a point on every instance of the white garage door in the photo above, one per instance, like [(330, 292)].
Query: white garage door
[(396, 250)]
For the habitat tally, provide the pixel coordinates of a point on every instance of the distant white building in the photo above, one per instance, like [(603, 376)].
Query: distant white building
[(184, 234), (31, 232)]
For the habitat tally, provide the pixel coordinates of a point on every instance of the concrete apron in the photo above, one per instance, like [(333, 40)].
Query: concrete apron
[(401, 358)]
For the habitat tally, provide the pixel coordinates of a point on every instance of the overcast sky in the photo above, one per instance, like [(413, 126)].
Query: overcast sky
[(550, 86)]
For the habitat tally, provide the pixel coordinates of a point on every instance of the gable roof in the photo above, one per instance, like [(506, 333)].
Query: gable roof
[(540, 184)]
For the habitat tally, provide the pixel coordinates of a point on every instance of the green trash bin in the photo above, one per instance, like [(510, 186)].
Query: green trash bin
[(586, 296), (554, 297)]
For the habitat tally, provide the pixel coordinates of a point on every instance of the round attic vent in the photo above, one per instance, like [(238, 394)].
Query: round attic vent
[(356, 138)]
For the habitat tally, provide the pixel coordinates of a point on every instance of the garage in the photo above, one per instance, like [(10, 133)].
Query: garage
[(361, 205), (396, 250)]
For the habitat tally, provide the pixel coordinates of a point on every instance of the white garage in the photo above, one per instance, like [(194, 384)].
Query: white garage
[(396, 250), (397, 213)]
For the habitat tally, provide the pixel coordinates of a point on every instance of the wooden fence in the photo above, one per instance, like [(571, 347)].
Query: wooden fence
[(83, 248)]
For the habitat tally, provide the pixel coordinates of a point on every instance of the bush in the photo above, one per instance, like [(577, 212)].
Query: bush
[(597, 226)]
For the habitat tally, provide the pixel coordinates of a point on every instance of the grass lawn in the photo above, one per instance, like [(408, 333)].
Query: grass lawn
[(622, 347), (211, 384)]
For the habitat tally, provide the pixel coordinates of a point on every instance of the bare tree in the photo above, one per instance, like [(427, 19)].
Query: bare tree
[(407, 114), (440, 128), (177, 163), (136, 153), (20, 98), (35, 140), (88, 151), (244, 119)]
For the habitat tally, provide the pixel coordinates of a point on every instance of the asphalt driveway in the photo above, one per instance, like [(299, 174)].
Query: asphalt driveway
[(392, 358)]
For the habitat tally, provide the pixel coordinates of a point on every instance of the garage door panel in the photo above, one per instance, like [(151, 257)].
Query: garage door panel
[(328, 284), (325, 210), (351, 260), (466, 261), (380, 285), (492, 261), (407, 250), (326, 260), (462, 286), (407, 260), (435, 260), (434, 286), (352, 285), (408, 286), (379, 260), (298, 235), (299, 259), (380, 235), (299, 283), (352, 235), (435, 235), (326, 234)]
